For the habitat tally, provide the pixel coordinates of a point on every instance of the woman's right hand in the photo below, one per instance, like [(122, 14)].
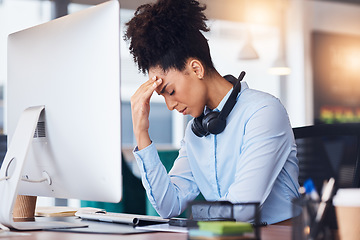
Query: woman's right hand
[(140, 109)]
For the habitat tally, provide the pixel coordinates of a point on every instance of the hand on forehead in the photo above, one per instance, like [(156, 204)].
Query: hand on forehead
[(156, 74)]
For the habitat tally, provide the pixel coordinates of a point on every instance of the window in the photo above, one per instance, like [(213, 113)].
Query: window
[(160, 124)]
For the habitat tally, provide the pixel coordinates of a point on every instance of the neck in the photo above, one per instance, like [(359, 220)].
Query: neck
[(217, 88)]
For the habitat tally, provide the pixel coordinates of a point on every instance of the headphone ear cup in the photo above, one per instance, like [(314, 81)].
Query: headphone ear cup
[(213, 124), (197, 127)]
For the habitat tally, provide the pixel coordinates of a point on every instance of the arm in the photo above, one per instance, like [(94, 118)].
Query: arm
[(169, 194), (140, 109)]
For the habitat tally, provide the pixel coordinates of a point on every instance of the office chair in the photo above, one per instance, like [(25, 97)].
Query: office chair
[(329, 150)]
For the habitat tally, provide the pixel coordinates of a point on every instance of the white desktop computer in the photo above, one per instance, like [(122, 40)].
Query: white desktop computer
[(63, 111)]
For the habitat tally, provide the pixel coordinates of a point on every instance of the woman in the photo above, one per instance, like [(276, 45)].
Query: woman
[(252, 159)]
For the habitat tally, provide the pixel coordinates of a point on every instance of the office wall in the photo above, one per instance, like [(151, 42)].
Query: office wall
[(297, 49), (335, 36), (303, 18), (335, 17)]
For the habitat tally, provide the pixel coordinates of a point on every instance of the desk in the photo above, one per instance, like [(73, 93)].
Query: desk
[(267, 233)]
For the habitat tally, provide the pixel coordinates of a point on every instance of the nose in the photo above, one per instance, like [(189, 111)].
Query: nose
[(171, 104)]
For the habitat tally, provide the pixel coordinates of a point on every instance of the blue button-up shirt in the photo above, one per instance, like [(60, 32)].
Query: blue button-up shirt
[(252, 160)]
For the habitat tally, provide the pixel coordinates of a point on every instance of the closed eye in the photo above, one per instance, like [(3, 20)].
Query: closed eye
[(172, 92)]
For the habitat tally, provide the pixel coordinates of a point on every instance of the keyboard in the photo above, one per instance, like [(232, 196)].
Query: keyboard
[(124, 218)]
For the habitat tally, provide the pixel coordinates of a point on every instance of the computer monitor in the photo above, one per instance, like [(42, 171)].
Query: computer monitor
[(64, 80)]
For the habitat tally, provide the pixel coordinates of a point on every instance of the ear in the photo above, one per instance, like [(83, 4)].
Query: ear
[(197, 68)]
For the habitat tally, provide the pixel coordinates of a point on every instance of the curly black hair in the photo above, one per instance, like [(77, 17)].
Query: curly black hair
[(167, 33)]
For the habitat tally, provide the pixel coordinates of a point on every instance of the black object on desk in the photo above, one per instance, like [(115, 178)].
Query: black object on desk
[(222, 211)]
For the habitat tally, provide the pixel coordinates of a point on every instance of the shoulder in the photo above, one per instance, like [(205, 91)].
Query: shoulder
[(251, 100), (247, 94)]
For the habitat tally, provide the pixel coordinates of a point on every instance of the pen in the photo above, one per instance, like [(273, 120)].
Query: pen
[(310, 190), (328, 191), (312, 197)]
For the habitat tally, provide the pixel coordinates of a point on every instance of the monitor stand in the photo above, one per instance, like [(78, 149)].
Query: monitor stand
[(11, 170)]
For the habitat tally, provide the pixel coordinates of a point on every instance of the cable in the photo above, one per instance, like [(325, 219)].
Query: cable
[(26, 180), (4, 178), (34, 181)]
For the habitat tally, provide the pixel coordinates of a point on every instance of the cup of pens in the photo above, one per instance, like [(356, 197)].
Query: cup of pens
[(347, 207), (304, 210), (309, 211)]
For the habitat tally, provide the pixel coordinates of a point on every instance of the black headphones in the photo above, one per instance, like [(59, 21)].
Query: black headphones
[(215, 122)]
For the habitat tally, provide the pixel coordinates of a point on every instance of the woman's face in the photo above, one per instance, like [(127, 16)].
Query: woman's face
[(183, 91)]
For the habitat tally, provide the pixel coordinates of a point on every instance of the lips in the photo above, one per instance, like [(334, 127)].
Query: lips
[(183, 111)]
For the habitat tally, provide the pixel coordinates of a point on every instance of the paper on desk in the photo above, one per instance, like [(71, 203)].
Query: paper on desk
[(8, 234), (59, 211), (164, 227), (5, 232)]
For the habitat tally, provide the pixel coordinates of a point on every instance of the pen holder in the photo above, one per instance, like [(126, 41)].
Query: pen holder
[(304, 210), (304, 223)]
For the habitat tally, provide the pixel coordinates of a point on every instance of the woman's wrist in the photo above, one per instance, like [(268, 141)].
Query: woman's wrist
[(143, 140)]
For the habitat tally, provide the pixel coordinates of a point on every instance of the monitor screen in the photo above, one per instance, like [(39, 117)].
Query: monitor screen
[(71, 66)]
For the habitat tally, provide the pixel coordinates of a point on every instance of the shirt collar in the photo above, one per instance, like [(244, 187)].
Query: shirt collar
[(244, 86)]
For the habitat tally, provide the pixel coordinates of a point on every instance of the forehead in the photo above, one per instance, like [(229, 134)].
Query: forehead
[(169, 76), (157, 71)]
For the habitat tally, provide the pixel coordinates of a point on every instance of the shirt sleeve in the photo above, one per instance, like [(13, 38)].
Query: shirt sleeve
[(168, 193), (267, 143)]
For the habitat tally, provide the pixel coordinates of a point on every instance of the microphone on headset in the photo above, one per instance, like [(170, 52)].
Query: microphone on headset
[(215, 122)]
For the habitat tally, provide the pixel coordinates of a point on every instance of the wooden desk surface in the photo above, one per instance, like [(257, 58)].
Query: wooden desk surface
[(267, 233)]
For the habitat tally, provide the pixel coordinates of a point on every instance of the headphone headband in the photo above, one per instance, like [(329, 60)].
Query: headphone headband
[(230, 104), (215, 122)]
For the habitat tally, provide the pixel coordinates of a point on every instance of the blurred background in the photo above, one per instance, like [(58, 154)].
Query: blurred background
[(305, 52)]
